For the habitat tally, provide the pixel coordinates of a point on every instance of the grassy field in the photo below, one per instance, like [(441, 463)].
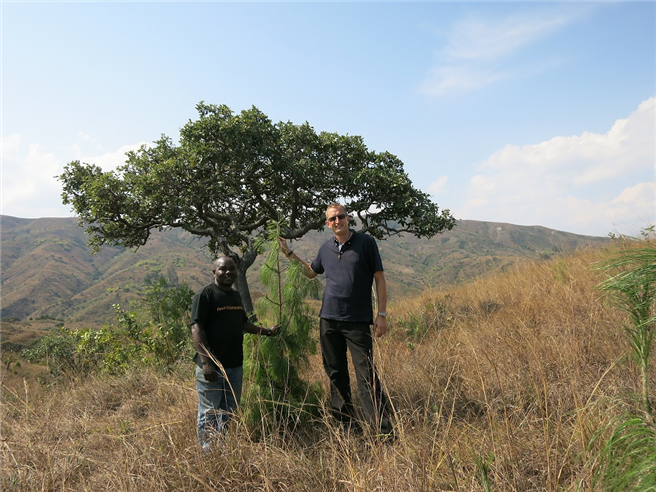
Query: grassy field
[(500, 384)]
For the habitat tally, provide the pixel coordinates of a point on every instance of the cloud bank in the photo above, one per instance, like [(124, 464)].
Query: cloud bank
[(30, 188), (590, 183)]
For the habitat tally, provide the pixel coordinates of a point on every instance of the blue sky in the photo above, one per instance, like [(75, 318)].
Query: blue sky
[(521, 112)]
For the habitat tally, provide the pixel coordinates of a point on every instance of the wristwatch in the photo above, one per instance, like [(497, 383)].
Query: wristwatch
[(382, 313)]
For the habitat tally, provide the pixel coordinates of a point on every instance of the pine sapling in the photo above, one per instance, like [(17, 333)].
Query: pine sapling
[(273, 365)]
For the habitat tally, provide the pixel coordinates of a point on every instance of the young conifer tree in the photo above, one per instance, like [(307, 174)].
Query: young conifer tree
[(633, 288), (628, 457), (276, 395)]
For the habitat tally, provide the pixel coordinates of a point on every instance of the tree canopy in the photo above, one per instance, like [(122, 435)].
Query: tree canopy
[(231, 174)]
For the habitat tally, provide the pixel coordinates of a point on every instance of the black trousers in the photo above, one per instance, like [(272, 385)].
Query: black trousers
[(336, 337)]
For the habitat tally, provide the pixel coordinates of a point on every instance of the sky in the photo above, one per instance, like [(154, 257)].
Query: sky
[(520, 112)]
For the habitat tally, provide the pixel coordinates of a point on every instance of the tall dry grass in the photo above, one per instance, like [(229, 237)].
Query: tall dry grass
[(497, 385)]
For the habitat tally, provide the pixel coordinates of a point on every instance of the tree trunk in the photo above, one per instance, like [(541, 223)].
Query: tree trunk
[(243, 264), (244, 291)]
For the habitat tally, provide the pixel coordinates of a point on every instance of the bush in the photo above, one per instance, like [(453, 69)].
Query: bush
[(155, 333)]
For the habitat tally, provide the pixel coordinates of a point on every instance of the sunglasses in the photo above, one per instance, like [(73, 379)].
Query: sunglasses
[(338, 216)]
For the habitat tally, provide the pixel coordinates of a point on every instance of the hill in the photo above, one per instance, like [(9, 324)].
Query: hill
[(49, 272)]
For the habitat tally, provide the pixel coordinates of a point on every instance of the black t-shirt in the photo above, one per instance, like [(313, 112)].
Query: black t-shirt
[(222, 316), (349, 277)]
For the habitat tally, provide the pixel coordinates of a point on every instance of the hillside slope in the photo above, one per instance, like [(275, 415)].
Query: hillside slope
[(48, 270)]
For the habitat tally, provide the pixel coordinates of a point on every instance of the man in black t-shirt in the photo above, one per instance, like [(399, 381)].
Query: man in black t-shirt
[(218, 323), (352, 264)]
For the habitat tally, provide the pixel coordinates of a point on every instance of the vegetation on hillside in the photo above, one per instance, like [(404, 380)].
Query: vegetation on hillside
[(154, 333), (517, 381), (48, 271)]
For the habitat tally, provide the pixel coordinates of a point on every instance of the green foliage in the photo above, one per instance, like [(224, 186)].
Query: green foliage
[(156, 333), (628, 457), (560, 272), (435, 315), (632, 286), (232, 174), (483, 468), (57, 349), (273, 364), (165, 308)]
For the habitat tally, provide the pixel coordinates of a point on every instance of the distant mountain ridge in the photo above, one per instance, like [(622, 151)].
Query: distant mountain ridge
[(48, 270)]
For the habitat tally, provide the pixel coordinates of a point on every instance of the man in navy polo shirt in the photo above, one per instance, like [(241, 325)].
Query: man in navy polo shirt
[(352, 264)]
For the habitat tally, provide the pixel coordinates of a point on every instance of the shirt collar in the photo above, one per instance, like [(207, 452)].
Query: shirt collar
[(348, 241)]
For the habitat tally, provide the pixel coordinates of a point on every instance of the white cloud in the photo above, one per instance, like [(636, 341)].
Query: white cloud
[(474, 39), (458, 79), (641, 193), (111, 160), (475, 50), (10, 145), (437, 186), (588, 183), (30, 187)]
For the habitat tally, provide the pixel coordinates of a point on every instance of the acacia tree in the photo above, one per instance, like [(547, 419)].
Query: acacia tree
[(231, 174)]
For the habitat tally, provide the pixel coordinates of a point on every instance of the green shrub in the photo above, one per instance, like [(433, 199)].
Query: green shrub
[(154, 333)]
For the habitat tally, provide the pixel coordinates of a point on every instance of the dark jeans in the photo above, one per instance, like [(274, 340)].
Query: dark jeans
[(336, 337)]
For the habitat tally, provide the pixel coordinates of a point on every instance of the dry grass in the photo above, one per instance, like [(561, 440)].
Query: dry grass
[(503, 381)]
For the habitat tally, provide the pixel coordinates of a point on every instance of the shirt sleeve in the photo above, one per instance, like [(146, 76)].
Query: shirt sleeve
[(377, 262), (198, 308), (317, 263)]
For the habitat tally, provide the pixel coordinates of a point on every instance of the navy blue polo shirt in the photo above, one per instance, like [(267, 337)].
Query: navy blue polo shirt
[(349, 277)]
